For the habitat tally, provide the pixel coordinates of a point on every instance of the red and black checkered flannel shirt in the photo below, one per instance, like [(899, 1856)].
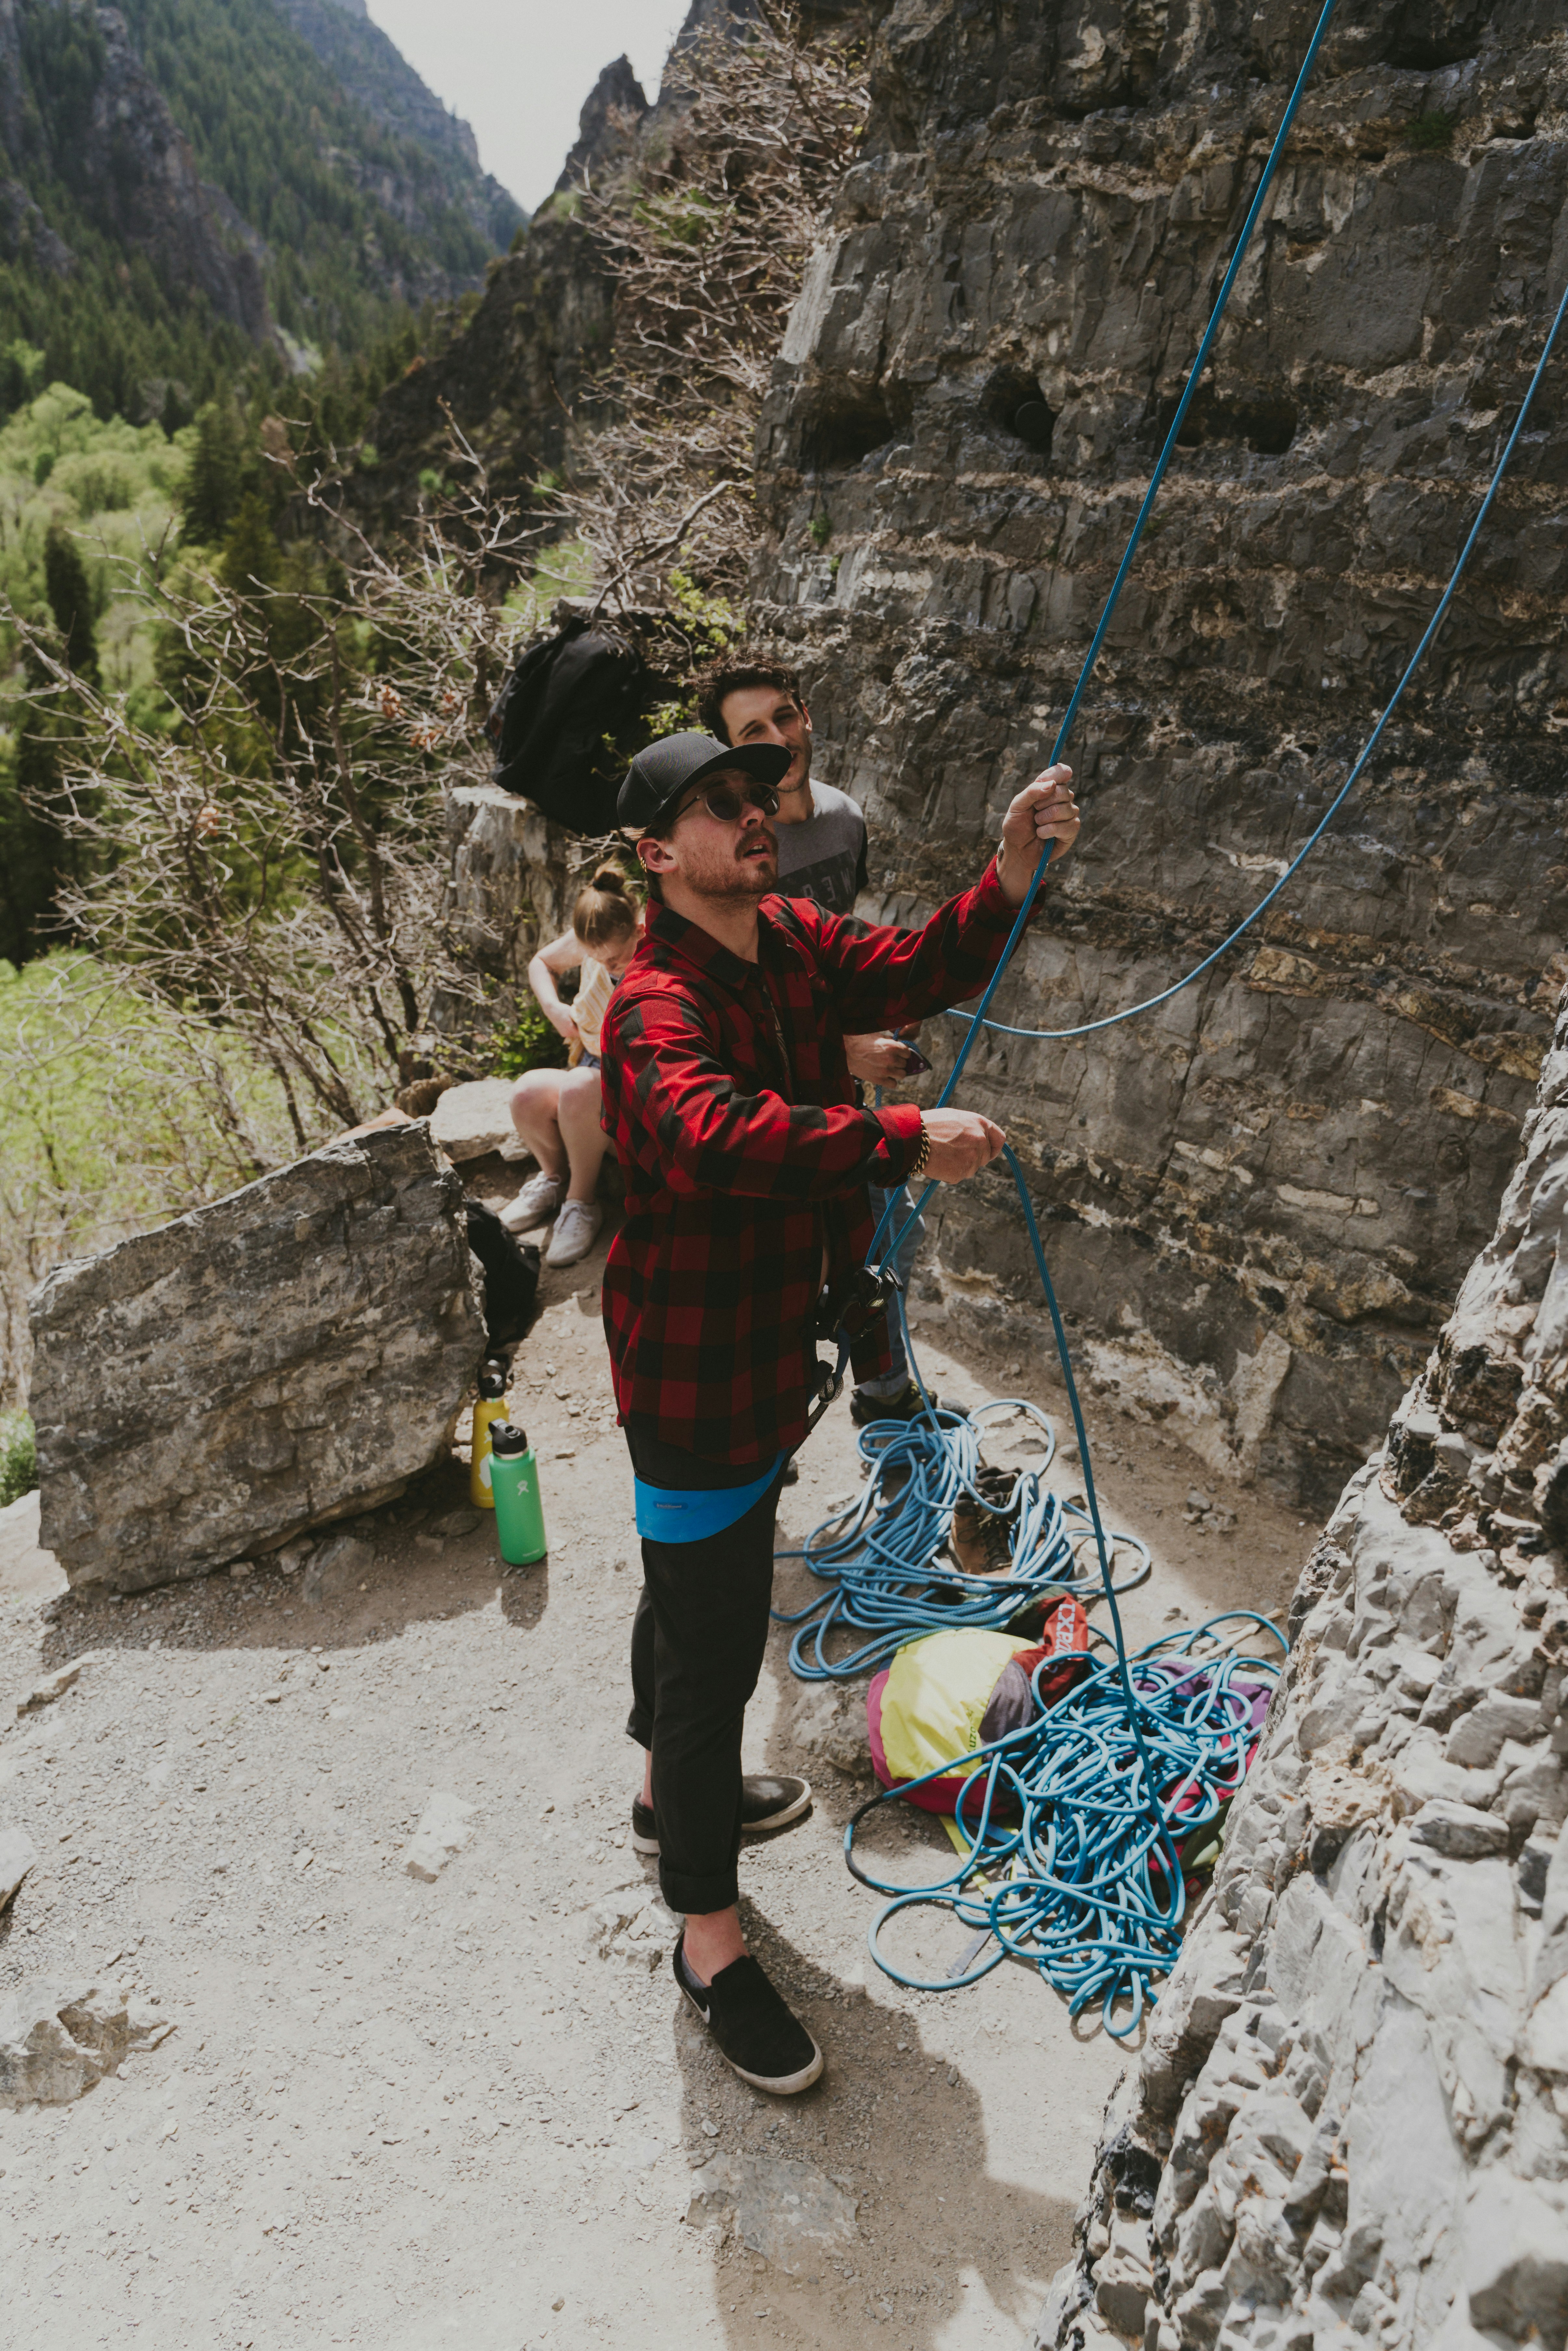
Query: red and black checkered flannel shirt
[(732, 1111)]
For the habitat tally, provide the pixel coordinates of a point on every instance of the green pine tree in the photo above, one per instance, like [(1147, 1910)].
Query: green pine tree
[(175, 414), (215, 476), (251, 557), (70, 602)]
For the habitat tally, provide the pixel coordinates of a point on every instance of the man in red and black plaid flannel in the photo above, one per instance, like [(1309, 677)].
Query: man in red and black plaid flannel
[(747, 1159)]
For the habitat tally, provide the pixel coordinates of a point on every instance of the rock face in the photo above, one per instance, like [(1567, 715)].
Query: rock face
[(1349, 2117), (287, 1355), (616, 100), (472, 1119), (1263, 1198)]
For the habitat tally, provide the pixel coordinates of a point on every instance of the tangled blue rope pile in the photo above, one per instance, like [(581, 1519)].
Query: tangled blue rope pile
[(877, 1551), (1091, 1889), (1067, 1862)]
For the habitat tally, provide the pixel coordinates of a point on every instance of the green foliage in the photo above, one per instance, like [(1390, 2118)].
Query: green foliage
[(224, 465), (821, 531), (70, 602), (63, 56), (252, 557), (18, 1457), (711, 623), (84, 506), (113, 1118), (529, 1043), (1432, 131), (270, 125)]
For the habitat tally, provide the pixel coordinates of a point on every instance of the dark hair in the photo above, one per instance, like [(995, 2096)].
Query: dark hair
[(734, 673), (605, 910)]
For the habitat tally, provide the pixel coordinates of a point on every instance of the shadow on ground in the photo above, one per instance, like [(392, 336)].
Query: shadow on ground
[(896, 2126)]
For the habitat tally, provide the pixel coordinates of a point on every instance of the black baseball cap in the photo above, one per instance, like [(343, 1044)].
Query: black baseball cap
[(658, 776)]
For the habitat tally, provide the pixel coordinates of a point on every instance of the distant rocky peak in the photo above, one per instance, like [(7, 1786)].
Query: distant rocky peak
[(615, 95)]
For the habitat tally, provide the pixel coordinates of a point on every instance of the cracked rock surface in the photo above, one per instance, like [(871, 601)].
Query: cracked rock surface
[(292, 1353), (1349, 2118), (1266, 1194)]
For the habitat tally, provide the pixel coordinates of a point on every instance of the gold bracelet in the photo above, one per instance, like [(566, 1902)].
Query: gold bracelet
[(922, 1156)]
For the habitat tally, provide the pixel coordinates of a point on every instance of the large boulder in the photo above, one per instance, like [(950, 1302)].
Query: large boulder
[(290, 1354)]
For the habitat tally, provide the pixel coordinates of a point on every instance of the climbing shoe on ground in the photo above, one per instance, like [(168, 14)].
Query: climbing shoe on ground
[(766, 1803), (576, 1230), (536, 1204), (751, 2026), (910, 1405)]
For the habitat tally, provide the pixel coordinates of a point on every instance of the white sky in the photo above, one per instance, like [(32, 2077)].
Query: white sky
[(519, 70)]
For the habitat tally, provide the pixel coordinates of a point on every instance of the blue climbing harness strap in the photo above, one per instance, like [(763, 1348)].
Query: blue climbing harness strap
[(674, 1514)]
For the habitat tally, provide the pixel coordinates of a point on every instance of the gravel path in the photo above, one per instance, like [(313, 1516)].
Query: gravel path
[(471, 2111)]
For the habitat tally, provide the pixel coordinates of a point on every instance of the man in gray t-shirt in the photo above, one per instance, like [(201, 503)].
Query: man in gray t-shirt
[(821, 855)]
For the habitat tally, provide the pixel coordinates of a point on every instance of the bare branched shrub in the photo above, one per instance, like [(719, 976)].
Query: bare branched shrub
[(269, 862), (708, 235)]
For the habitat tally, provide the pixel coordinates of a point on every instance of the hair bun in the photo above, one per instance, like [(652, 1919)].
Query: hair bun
[(610, 877)]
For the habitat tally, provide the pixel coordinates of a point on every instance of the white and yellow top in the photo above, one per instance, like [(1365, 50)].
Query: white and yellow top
[(594, 990)]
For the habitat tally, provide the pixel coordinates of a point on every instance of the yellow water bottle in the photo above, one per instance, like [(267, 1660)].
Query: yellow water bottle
[(491, 1407)]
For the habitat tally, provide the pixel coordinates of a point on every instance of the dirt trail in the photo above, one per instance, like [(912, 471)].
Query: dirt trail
[(406, 2114)]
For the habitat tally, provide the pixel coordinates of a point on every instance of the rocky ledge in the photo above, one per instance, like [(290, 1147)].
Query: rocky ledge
[(286, 1356), (1348, 2119)]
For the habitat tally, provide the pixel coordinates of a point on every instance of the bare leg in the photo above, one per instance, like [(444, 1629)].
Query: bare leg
[(536, 1100), (712, 1941), (578, 1111)]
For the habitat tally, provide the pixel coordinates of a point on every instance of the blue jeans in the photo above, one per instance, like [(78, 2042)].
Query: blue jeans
[(893, 1382)]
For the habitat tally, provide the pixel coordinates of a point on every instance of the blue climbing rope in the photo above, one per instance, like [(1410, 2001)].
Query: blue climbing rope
[(1066, 1863), (1090, 1884), (877, 1552)]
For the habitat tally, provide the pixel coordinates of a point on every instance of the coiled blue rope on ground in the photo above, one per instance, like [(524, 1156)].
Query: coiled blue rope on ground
[(1068, 1863), (877, 1553)]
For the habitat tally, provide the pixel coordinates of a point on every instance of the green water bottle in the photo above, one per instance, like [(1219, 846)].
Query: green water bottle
[(519, 1507)]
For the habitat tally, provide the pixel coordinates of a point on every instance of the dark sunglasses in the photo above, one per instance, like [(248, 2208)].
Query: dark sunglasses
[(723, 801)]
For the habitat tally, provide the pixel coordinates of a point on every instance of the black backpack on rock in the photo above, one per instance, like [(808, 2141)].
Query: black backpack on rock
[(568, 718), (511, 1275)]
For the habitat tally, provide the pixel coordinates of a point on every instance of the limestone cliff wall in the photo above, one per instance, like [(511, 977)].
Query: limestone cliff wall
[(1262, 1201), (1348, 2120)]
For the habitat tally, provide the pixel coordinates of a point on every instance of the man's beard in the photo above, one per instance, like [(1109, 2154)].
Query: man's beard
[(792, 783), (741, 877)]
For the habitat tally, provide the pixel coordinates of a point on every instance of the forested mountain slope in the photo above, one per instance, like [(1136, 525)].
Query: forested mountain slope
[(186, 182)]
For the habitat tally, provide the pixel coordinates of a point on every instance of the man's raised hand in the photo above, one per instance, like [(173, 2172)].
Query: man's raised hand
[(1044, 811), (961, 1141)]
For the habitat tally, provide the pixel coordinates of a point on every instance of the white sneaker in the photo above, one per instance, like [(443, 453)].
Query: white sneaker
[(536, 1204), (576, 1230)]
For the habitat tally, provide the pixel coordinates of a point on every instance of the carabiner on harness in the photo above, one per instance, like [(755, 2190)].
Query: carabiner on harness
[(865, 1296)]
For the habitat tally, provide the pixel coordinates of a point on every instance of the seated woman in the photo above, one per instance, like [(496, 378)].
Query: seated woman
[(556, 1112)]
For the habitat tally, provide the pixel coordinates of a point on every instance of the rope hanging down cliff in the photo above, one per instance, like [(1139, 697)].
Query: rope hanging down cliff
[(1090, 1899)]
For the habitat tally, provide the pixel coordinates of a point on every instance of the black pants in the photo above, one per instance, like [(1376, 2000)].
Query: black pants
[(697, 1643)]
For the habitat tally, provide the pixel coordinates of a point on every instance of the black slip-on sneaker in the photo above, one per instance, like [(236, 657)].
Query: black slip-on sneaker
[(910, 1405), (752, 2028), (766, 1803)]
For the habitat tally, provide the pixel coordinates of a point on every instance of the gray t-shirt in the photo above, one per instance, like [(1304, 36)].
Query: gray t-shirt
[(824, 858)]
